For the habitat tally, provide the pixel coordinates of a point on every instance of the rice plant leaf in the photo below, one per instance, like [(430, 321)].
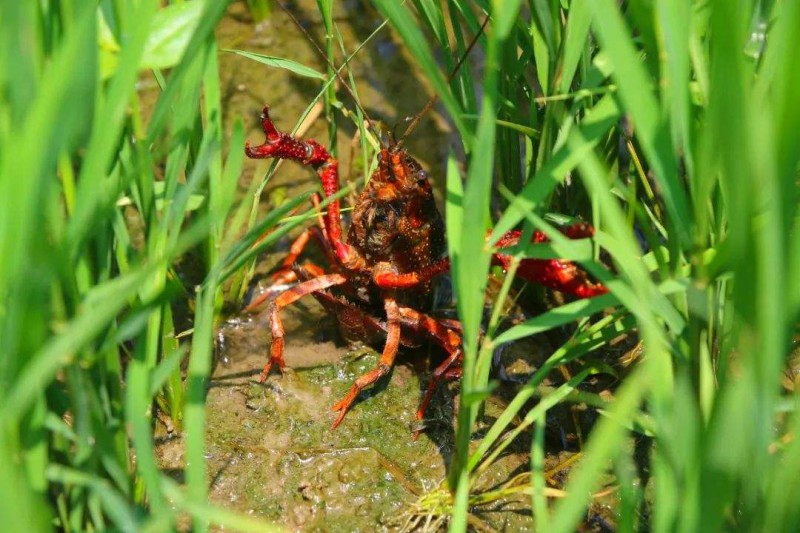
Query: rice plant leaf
[(471, 263), (194, 201), (435, 18), (580, 250), (113, 502), (605, 442), (101, 305), (231, 171), (505, 14), (637, 94), (470, 258), (256, 241), (194, 410), (592, 338), (212, 11), (643, 298), (166, 366), (674, 42), (556, 317), (108, 47), (280, 62), (525, 130), (545, 403), (542, 58), (633, 269), (479, 395), (170, 32), (454, 204), (579, 20), (598, 121), (413, 38), (94, 190), (777, 84)]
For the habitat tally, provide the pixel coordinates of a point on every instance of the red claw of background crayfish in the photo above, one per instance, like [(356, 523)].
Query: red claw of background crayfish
[(560, 275), (283, 146)]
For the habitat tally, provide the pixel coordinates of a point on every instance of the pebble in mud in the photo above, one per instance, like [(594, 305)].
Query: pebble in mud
[(517, 362)]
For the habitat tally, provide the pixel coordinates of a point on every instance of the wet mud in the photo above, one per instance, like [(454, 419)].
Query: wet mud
[(272, 453)]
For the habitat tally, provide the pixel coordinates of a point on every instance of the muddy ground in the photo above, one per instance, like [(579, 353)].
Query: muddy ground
[(270, 448), (272, 453)]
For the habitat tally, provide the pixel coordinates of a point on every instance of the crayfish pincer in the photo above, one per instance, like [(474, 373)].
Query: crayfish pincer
[(378, 283)]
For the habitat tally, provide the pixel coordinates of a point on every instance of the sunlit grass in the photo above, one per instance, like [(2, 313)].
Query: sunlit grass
[(671, 126), (100, 196), (709, 181)]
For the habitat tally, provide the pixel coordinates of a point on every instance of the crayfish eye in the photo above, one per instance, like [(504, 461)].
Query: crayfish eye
[(422, 177)]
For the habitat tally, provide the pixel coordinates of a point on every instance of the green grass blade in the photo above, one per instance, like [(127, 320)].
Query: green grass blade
[(211, 14), (169, 34), (93, 188), (113, 502), (556, 317), (101, 305), (471, 259), (279, 62), (605, 443), (575, 37), (408, 29), (598, 121), (636, 92)]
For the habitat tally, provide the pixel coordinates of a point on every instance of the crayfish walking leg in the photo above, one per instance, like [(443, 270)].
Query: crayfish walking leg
[(286, 298), (384, 365), (447, 338)]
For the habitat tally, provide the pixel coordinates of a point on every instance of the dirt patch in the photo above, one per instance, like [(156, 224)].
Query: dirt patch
[(270, 448)]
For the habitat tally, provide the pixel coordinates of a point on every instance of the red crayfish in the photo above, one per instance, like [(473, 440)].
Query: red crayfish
[(382, 270)]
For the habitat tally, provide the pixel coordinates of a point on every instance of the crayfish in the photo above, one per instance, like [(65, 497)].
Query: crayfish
[(380, 279)]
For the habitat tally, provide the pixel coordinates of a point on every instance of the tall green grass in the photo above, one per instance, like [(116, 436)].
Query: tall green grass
[(101, 194), (672, 126), (708, 180)]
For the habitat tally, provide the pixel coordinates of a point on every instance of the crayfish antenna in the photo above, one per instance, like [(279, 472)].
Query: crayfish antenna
[(335, 70), (427, 107)]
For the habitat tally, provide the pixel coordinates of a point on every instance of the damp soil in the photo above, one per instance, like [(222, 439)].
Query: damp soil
[(271, 451)]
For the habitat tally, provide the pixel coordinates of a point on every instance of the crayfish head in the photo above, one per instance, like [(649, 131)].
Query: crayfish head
[(402, 172)]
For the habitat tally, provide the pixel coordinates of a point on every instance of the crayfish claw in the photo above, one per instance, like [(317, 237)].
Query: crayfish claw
[(344, 405), (264, 373), (339, 419)]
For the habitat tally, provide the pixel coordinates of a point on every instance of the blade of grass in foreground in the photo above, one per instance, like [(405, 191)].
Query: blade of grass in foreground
[(471, 259), (636, 91), (106, 129), (194, 411), (604, 444), (598, 121), (102, 304)]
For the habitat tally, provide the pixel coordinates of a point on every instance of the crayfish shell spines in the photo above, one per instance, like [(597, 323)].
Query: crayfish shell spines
[(395, 219)]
